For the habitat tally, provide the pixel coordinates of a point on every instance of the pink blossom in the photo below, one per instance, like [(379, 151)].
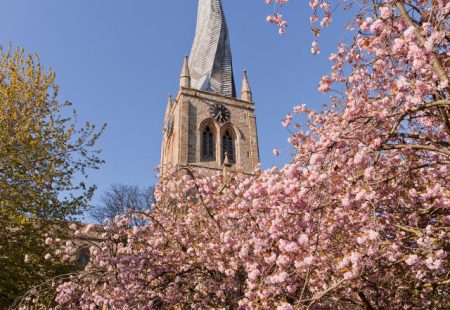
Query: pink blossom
[(410, 33), (385, 12), (287, 121), (324, 85), (285, 306), (308, 260), (433, 264), (373, 235), (315, 48), (279, 278), (88, 228), (283, 260), (303, 239), (365, 26), (316, 159), (254, 274), (411, 260), (403, 84), (377, 26), (314, 4), (270, 259), (399, 45), (291, 247)]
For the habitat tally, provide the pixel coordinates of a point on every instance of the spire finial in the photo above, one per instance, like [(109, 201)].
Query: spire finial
[(246, 93), (210, 60), (185, 76)]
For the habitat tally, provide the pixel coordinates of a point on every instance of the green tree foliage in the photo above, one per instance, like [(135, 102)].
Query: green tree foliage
[(42, 154)]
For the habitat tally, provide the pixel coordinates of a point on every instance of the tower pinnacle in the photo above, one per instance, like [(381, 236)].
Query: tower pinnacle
[(210, 61), (185, 76), (246, 93), (168, 107)]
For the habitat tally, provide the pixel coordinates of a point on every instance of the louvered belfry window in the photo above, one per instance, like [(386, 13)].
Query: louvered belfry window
[(228, 146), (208, 152)]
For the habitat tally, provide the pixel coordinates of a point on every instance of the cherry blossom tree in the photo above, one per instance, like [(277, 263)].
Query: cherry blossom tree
[(358, 220)]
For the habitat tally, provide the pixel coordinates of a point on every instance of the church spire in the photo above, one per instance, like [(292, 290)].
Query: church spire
[(210, 61)]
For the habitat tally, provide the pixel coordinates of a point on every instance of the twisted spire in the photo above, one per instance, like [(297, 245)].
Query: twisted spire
[(210, 62)]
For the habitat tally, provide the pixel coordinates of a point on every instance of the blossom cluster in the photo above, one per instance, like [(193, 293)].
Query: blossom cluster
[(277, 18), (359, 219)]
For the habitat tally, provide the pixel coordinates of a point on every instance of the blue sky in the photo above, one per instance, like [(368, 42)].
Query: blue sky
[(118, 60)]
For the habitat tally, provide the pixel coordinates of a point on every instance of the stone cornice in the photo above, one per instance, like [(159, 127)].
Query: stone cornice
[(215, 97)]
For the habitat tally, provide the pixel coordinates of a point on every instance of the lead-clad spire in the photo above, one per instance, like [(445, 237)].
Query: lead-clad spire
[(210, 61)]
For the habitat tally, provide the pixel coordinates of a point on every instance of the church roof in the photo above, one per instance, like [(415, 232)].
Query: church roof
[(210, 60)]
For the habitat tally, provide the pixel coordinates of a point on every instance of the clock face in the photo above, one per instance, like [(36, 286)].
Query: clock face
[(220, 113)]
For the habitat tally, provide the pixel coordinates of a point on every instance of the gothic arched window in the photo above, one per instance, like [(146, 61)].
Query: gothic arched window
[(228, 146), (83, 257), (208, 149)]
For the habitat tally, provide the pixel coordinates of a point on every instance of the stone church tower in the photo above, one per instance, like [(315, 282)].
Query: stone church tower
[(206, 127)]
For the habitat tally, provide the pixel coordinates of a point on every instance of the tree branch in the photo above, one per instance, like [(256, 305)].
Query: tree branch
[(317, 297), (419, 137), (437, 66), (417, 147)]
